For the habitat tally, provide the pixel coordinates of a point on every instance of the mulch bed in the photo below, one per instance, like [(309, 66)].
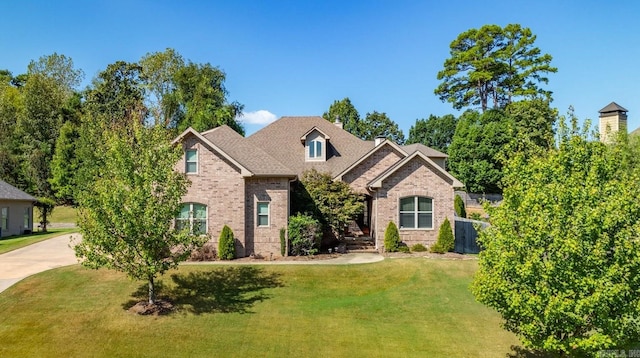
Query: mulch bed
[(159, 308)]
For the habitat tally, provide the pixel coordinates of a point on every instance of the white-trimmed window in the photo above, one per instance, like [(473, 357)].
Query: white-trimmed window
[(4, 218), (262, 213), (315, 149), (194, 217), (191, 161), (416, 212), (27, 218)]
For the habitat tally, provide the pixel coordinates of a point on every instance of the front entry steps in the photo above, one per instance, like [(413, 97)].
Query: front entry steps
[(360, 244)]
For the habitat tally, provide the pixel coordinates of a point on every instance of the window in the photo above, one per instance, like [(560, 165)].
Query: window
[(191, 161), (27, 218), (194, 217), (416, 212), (4, 218), (315, 149), (263, 214)]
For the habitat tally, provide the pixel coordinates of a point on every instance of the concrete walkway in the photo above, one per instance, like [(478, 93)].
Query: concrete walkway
[(42, 256), (56, 252)]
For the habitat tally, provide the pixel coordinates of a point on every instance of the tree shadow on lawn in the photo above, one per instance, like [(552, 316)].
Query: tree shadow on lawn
[(232, 289)]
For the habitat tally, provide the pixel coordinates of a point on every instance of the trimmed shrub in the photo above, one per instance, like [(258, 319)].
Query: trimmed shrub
[(391, 238), (304, 235), (283, 241), (475, 216), (226, 246), (458, 206), (418, 248), (404, 249), (446, 240)]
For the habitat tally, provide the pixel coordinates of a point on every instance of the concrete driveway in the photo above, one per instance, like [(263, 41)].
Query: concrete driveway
[(45, 255)]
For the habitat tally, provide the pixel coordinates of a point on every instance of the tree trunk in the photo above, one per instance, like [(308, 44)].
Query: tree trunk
[(152, 291)]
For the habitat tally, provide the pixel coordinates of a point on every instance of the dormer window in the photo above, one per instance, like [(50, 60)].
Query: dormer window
[(315, 149), (315, 145)]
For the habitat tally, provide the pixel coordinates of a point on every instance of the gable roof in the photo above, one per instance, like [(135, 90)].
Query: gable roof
[(257, 161), (281, 140), (612, 107), (304, 136), (377, 182), (428, 151), (385, 142), (10, 192)]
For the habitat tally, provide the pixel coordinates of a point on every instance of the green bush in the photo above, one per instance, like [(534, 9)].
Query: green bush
[(418, 248), (283, 241), (458, 206), (304, 235), (404, 249), (475, 216), (226, 246), (446, 240), (391, 238)]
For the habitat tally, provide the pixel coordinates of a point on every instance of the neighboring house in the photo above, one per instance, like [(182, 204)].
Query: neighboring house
[(16, 210), (246, 183)]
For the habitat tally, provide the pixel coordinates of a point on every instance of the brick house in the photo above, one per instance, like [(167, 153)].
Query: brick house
[(246, 183)]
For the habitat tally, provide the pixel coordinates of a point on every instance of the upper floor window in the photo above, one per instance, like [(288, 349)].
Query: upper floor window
[(191, 161), (194, 217), (315, 149), (263, 214), (416, 212)]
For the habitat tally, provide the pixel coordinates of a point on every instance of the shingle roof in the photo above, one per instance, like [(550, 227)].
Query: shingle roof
[(428, 151), (281, 140), (10, 192), (613, 107), (248, 155)]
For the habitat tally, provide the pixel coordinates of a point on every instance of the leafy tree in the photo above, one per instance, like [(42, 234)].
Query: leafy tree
[(160, 69), (493, 64), (391, 238), (11, 108), (203, 97), (477, 149), (336, 203), (64, 164), (348, 115), (377, 124), (446, 241), (126, 213), (45, 208), (458, 206), (435, 132), (534, 120), (561, 257), (226, 244)]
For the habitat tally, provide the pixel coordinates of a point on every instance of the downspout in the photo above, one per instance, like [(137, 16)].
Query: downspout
[(375, 217)]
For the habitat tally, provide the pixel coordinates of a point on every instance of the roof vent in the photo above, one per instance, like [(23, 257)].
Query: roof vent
[(379, 139)]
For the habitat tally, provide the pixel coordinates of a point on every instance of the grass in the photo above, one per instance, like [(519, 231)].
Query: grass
[(63, 214), (15, 242), (396, 308)]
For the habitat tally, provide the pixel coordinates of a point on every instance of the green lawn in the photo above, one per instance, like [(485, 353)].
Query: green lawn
[(16, 242), (63, 214), (396, 308)]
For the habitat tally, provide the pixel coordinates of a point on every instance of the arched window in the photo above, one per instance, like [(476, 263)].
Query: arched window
[(416, 212), (315, 149), (194, 217)]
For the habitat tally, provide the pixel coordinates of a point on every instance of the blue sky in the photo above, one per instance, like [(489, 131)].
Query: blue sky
[(297, 57)]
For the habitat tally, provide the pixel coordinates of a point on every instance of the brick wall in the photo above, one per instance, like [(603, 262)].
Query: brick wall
[(265, 240), (370, 168), (417, 177), (219, 185)]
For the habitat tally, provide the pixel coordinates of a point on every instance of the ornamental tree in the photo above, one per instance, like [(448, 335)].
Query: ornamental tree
[(126, 213), (334, 203), (562, 256)]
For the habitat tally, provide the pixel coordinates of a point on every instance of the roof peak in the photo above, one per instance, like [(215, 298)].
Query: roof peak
[(613, 107)]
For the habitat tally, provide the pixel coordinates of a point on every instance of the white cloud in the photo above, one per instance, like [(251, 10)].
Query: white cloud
[(257, 117)]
